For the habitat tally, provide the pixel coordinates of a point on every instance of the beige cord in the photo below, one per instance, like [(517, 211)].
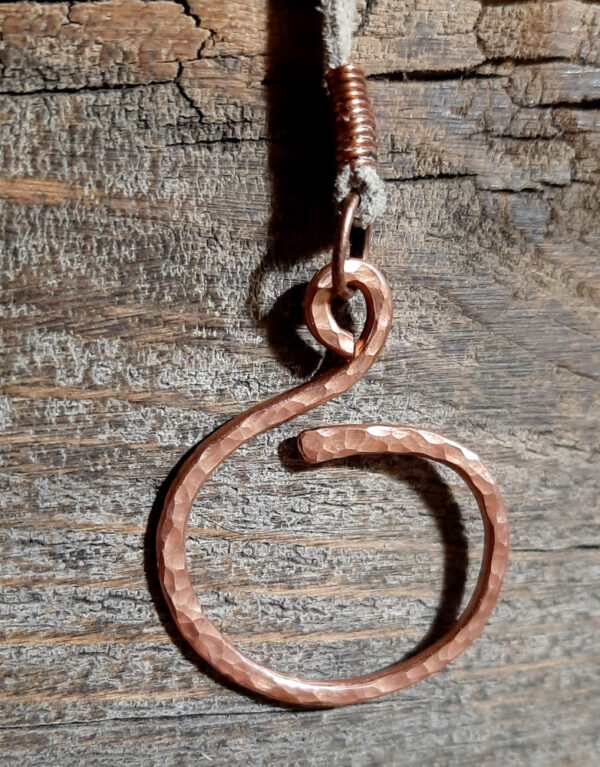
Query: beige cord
[(339, 23)]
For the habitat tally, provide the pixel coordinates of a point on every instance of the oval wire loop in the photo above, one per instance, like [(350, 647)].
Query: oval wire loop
[(319, 445), (342, 245)]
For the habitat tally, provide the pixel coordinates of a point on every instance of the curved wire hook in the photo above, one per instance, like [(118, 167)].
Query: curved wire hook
[(318, 445)]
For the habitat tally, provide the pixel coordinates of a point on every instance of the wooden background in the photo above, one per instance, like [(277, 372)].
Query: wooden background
[(165, 188)]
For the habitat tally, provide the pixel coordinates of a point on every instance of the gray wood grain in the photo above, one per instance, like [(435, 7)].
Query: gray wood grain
[(164, 197)]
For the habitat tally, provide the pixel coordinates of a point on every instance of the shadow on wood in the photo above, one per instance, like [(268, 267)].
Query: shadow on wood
[(423, 478), (301, 172)]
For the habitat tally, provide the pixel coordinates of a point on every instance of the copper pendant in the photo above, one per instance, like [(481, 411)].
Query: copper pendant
[(317, 445)]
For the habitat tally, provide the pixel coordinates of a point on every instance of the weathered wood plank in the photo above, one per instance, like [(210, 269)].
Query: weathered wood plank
[(123, 42), (155, 239), (533, 30), (59, 46)]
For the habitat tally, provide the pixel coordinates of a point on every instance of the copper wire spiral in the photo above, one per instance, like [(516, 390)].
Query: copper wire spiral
[(355, 142)]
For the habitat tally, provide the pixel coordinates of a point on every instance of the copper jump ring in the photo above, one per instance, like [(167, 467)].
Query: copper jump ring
[(342, 245)]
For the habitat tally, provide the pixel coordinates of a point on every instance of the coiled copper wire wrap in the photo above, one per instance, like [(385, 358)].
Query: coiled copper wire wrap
[(355, 142)]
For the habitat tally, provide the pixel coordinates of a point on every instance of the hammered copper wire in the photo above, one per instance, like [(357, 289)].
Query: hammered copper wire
[(354, 121), (319, 445)]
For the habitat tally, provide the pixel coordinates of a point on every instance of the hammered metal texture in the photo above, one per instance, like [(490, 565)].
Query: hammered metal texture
[(319, 445)]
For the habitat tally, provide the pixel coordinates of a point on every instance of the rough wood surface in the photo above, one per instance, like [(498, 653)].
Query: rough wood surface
[(165, 193)]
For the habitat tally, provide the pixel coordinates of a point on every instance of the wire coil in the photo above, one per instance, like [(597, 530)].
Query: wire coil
[(355, 140)]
